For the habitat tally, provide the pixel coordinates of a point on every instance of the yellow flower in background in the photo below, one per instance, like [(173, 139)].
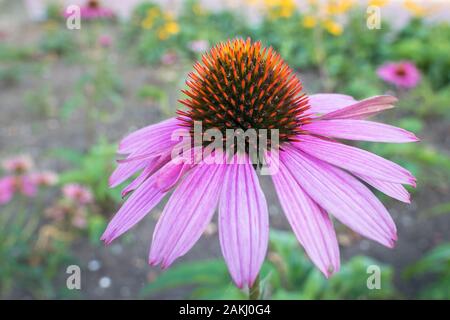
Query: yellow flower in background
[(333, 27), (309, 22), (50, 25), (147, 23), (149, 20), (172, 28), (198, 10), (280, 8), (378, 3), (162, 34), (419, 10), (335, 7)]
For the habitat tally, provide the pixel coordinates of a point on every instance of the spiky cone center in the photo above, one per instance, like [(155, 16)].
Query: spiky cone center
[(93, 4), (241, 85)]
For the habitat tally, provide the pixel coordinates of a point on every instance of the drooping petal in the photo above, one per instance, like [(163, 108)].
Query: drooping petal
[(153, 165), (342, 195), (394, 190), (141, 202), (152, 135), (243, 223), (138, 180), (363, 109), (125, 170), (354, 159), (327, 102), (360, 130), (187, 213), (311, 224)]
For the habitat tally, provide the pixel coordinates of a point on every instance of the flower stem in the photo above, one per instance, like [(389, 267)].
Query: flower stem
[(254, 291)]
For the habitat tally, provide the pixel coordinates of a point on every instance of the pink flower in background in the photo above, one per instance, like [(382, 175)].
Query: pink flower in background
[(318, 176), (6, 189), (77, 193), (403, 74), (18, 164), (199, 46), (169, 58), (79, 220), (26, 185), (10, 185), (105, 41), (92, 10), (45, 178)]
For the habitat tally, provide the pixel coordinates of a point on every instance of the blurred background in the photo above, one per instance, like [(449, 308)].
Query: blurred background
[(68, 95)]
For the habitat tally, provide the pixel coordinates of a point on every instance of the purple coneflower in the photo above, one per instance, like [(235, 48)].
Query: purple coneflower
[(105, 41), (239, 84), (77, 193), (93, 10), (403, 74), (18, 164)]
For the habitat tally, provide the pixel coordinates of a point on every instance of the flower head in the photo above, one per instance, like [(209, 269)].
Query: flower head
[(239, 85), (18, 165), (7, 187), (77, 193), (93, 10), (10, 185), (403, 74), (44, 178), (199, 46), (105, 41)]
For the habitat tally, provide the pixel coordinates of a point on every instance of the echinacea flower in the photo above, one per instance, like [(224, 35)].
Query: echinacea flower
[(77, 193), (105, 41), (241, 85), (10, 185), (92, 10), (198, 46), (18, 164), (44, 178), (403, 74), (6, 189)]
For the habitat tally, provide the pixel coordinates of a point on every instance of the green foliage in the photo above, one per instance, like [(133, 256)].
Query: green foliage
[(59, 41), (428, 47), (25, 267), (437, 263), (147, 30), (92, 169), (287, 274)]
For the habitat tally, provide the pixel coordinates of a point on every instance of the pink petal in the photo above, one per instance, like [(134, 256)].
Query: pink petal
[(394, 190), (28, 187), (363, 109), (187, 213), (342, 195), (152, 166), (243, 223), (354, 159), (6, 189), (127, 169), (152, 135), (327, 102), (142, 201), (311, 224), (138, 181), (360, 130)]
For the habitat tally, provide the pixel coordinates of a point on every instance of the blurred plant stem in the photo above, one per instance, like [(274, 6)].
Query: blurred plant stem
[(254, 292)]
